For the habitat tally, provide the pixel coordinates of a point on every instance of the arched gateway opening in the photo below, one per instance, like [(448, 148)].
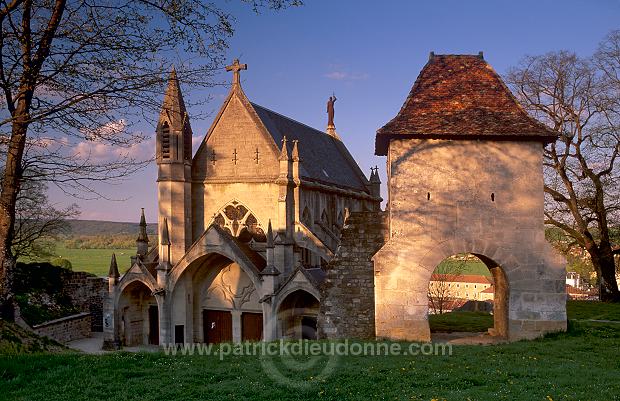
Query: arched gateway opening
[(139, 319), (215, 301), (297, 316), (468, 293)]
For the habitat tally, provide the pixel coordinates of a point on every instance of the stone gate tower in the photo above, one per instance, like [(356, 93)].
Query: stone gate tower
[(465, 175)]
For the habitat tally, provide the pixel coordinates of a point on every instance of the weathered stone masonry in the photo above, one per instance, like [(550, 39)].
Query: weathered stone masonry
[(348, 306), (66, 329), (87, 293)]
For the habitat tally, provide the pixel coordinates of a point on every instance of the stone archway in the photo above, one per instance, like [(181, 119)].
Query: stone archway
[(139, 315), (215, 241), (215, 300), (178, 309), (532, 285), (297, 315), (455, 288)]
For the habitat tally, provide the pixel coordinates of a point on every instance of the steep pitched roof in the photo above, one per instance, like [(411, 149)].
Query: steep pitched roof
[(173, 103), (323, 158), (461, 96)]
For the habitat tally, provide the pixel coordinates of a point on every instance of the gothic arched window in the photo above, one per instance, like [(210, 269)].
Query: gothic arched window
[(240, 222), (340, 221), (187, 140), (324, 218), (306, 218), (165, 140)]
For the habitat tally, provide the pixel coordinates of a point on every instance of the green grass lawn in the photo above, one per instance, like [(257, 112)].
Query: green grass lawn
[(473, 266), (582, 364), (593, 310), (460, 321), (96, 261), (482, 321)]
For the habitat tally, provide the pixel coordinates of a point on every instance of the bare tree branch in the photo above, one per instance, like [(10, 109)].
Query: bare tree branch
[(580, 99)]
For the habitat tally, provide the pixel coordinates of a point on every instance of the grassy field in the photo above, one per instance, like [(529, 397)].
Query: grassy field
[(592, 310), (572, 366), (582, 364), (96, 261), (460, 321), (472, 266)]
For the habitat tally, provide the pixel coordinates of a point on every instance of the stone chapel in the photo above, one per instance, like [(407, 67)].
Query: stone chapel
[(271, 230), (246, 227)]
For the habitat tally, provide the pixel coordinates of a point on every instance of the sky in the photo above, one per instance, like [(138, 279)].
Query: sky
[(367, 53)]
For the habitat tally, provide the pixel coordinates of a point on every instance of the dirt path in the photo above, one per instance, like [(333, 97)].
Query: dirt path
[(466, 338)]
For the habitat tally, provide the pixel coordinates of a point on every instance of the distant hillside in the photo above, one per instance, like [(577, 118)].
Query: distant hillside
[(95, 227)]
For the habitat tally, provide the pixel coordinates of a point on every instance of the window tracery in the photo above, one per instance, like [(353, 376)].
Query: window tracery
[(239, 222)]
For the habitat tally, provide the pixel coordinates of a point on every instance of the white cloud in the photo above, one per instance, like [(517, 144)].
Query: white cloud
[(103, 152), (108, 130), (340, 75)]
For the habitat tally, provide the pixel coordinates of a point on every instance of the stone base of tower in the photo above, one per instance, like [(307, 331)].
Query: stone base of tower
[(530, 329), (529, 299), (347, 309), (402, 330)]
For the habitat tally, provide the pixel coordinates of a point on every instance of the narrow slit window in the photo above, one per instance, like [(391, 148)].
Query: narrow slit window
[(176, 146), (492, 196), (187, 144), (165, 141), (428, 196)]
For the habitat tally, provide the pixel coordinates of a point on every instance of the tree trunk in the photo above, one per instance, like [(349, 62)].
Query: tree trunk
[(8, 198), (604, 264), (608, 285)]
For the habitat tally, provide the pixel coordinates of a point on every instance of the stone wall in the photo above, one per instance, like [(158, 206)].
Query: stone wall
[(87, 292), (467, 196), (67, 328), (347, 308)]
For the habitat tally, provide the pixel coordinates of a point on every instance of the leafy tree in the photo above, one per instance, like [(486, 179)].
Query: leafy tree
[(576, 256), (77, 71), (63, 263), (38, 223), (579, 98)]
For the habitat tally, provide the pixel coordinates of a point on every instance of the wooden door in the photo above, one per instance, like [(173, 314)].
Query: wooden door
[(153, 325), (217, 326), (251, 326)]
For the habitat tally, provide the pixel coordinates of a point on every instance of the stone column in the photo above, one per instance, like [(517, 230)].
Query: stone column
[(236, 325), (269, 322), (189, 314), (269, 277), (111, 335), (500, 303), (165, 330)]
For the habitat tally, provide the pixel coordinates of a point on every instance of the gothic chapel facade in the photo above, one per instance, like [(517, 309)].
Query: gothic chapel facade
[(246, 227)]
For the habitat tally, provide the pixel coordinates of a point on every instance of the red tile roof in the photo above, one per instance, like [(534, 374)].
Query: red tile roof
[(573, 290), (490, 289), (461, 278), (461, 96)]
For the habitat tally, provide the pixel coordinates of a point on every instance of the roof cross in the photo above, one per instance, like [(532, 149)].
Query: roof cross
[(235, 67)]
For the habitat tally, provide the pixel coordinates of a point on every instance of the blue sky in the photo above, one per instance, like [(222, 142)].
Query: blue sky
[(368, 53)]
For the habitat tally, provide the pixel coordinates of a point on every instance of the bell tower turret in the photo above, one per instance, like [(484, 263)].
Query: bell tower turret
[(174, 162)]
